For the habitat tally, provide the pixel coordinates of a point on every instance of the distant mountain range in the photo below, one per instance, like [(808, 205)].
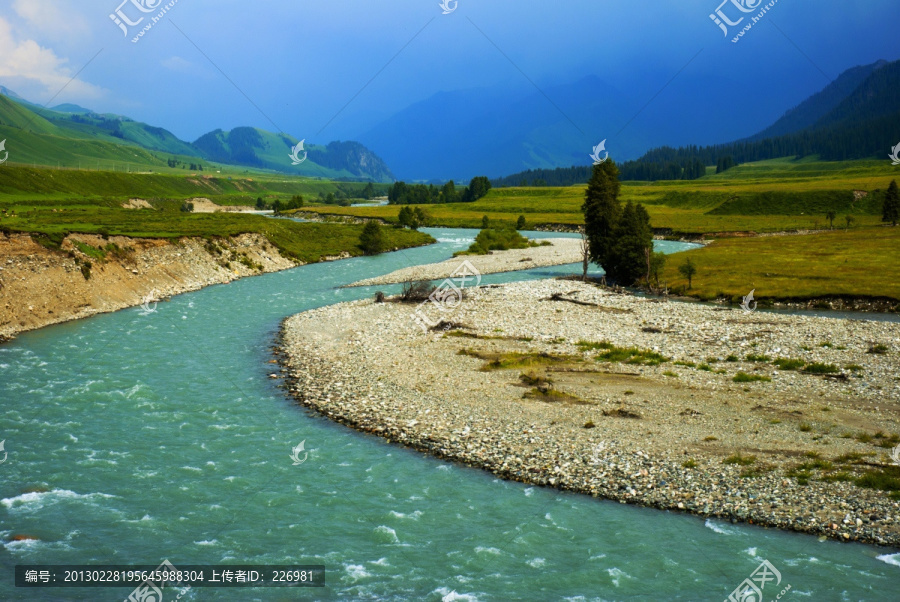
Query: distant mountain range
[(495, 131), (525, 132), (857, 116), (72, 135)]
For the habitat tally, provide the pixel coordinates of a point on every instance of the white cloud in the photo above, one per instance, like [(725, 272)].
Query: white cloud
[(176, 63), (55, 17), (33, 69)]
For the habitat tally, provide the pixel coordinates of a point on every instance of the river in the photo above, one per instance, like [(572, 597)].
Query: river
[(135, 437)]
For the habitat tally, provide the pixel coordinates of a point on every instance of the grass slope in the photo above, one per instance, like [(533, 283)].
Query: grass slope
[(26, 184)]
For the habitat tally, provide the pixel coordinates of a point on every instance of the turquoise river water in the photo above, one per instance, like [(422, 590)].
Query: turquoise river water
[(135, 437)]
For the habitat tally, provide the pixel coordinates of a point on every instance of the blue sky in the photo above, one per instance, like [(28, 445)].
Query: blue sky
[(297, 63)]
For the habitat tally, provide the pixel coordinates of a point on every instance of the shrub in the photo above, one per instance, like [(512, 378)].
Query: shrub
[(753, 357), (497, 239), (416, 291), (878, 348)]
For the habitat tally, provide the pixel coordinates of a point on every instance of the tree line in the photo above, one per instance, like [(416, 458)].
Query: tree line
[(690, 168), (401, 193)]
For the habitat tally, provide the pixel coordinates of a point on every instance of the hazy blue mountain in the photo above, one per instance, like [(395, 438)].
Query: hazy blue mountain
[(496, 131), (855, 117)]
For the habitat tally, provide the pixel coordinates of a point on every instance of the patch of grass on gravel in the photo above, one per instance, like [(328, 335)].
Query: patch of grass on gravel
[(743, 377), (853, 458), (533, 379), (756, 471), (551, 396), (787, 363), (882, 479), (509, 361), (628, 355), (740, 460)]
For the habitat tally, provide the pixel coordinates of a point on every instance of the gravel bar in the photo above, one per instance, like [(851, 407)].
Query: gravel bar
[(561, 251), (654, 435)]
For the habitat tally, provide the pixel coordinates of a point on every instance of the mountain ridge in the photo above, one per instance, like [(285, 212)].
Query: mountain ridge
[(845, 122), (93, 137)]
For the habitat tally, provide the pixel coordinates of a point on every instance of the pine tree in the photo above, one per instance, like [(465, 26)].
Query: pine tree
[(448, 193), (890, 211), (688, 270), (633, 240), (601, 211), (404, 217), (371, 240), (520, 223), (478, 187)]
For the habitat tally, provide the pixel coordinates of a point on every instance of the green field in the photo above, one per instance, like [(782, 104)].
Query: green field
[(768, 196), (855, 263)]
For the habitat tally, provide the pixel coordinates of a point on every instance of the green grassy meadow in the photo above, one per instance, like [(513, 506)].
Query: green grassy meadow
[(856, 263), (768, 196)]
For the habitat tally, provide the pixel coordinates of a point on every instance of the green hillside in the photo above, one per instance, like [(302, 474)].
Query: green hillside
[(25, 184), (71, 136)]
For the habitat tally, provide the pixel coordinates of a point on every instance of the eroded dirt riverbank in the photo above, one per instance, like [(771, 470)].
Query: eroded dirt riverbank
[(89, 274)]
